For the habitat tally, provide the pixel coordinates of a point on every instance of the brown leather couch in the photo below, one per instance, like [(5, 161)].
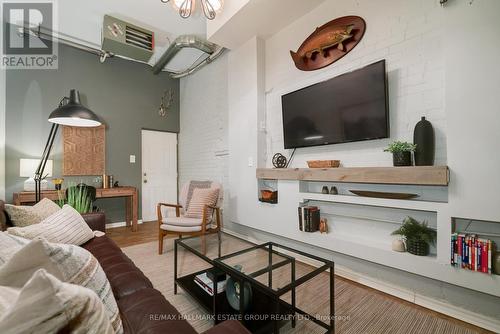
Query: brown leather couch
[(143, 309)]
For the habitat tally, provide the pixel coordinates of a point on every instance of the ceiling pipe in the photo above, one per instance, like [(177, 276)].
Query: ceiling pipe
[(206, 61), (47, 34), (181, 42)]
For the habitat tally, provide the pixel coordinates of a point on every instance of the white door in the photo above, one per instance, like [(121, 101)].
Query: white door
[(159, 171)]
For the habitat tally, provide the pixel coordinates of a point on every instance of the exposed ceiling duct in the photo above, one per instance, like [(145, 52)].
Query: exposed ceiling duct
[(186, 55), (186, 46), (128, 40)]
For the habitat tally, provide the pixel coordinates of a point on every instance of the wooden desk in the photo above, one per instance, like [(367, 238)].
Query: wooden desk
[(130, 194)]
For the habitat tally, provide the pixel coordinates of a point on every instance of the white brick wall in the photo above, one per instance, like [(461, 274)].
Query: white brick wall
[(203, 153), (408, 34)]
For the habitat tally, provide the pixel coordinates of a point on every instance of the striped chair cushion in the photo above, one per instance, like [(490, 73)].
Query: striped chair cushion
[(66, 226), (68, 263), (196, 185), (200, 198)]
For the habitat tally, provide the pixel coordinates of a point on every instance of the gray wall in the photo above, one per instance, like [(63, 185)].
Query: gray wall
[(126, 95)]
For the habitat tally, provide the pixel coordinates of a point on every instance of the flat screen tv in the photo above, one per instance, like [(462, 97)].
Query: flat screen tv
[(347, 108)]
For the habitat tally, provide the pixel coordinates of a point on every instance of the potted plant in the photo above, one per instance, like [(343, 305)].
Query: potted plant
[(417, 236), (77, 197), (401, 152)]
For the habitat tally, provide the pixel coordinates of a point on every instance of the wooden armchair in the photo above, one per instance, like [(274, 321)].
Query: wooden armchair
[(210, 222)]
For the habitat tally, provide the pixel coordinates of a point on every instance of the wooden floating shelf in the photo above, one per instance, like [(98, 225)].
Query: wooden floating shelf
[(421, 175)]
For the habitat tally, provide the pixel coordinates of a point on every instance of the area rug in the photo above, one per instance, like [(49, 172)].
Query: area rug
[(358, 309)]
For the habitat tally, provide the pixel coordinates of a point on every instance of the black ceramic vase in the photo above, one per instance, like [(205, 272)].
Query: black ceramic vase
[(423, 137), (401, 158)]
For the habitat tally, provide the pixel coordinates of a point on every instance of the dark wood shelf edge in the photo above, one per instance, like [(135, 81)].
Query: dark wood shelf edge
[(415, 175)]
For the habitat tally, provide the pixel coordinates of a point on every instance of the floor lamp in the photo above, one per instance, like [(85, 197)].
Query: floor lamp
[(71, 113)]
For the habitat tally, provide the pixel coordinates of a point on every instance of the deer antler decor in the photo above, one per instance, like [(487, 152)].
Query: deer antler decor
[(166, 102)]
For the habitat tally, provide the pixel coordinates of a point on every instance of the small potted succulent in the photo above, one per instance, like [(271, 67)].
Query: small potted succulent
[(401, 153), (417, 236)]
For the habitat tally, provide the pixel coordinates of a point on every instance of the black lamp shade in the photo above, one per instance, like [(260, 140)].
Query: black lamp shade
[(74, 113)]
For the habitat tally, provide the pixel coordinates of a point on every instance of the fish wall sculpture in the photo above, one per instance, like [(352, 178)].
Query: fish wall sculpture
[(329, 43)]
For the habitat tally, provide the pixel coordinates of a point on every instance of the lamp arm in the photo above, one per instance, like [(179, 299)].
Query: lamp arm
[(43, 161)]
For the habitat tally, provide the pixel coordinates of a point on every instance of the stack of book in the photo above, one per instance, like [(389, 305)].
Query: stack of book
[(208, 285), (309, 217), (470, 252)]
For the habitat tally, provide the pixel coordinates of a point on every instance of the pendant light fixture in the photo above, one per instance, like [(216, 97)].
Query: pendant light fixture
[(71, 112), (187, 7)]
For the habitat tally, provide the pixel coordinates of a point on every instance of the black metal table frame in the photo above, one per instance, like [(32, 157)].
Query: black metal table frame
[(194, 251), (274, 294)]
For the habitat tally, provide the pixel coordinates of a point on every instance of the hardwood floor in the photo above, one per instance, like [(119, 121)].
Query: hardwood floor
[(124, 237), (148, 232)]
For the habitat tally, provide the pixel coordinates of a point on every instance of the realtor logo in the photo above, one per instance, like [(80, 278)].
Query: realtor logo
[(23, 44)]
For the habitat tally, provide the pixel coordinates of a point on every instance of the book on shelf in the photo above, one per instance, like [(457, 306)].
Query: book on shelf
[(309, 218), (468, 251), (301, 225), (207, 284)]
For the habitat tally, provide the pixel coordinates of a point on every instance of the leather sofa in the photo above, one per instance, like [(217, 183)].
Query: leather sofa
[(143, 309)]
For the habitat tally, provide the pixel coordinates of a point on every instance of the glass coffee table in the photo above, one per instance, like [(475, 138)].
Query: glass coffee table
[(268, 273)]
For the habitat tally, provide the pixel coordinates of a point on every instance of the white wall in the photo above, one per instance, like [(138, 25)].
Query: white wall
[(244, 82), (242, 19), (203, 151), (230, 9), (473, 108), (422, 50), (408, 34)]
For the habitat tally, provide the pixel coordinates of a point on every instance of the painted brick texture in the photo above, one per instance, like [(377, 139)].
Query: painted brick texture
[(203, 152), (408, 34)]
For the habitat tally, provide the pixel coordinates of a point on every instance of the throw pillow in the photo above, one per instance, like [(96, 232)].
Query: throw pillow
[(66, 226), (68, 263), (45, 305), (45, 208), (196, 185), (21, 215), (9, 245), (201, 197)]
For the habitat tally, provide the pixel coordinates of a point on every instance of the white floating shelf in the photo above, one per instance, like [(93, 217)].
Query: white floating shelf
[(381, 202)]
